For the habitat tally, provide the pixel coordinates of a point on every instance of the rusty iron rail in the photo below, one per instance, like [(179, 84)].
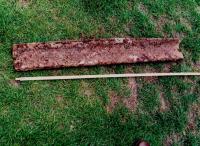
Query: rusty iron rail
[(92, 52)]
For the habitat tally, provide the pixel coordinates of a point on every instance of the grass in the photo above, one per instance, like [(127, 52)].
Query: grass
[(58, 113)]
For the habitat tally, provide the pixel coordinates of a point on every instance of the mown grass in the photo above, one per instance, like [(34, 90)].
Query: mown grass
[(57, 113)]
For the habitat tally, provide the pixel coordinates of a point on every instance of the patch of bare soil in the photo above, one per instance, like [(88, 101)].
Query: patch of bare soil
[(161, 22), (101, 30), (61, 102), (198, 9), (59, 99), (193, 113), (14, 83), (167, 67), (143, 8), (178, 35), (197, 65), (150, 80), (158, 23), (186, 23), (173, 138), (131, 102), (114, 100), (164, 104), (55, 72), (24, 3), (86, 89)]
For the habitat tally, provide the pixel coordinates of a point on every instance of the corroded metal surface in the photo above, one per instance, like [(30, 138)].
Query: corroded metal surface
[(92, 52)]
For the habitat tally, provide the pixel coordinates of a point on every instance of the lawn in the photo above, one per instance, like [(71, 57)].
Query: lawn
[(163, 111)]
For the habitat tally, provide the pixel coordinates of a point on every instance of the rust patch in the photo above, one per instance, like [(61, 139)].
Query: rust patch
[(94, 52)]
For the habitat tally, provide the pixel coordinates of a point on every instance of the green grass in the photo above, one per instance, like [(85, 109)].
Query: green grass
[(58, 113)]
